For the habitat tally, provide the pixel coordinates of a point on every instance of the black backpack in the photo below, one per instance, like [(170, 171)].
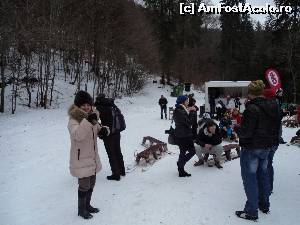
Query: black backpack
[(118, 123)]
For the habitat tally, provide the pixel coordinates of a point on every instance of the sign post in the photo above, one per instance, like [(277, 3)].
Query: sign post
[(273, 78)]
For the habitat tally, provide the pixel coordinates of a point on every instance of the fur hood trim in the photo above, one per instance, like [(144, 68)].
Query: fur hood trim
[(78, 114)]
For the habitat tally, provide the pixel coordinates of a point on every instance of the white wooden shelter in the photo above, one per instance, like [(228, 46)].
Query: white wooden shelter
[(227, 85)]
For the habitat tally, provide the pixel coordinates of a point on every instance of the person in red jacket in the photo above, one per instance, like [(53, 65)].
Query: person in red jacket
[(236, 119), (236, 116)]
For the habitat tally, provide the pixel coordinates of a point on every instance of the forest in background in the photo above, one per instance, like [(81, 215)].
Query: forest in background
[(116, 44)]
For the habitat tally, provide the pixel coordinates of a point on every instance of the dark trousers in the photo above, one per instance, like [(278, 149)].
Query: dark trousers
[(193, 118), (194, 130), (187, 150), (270, 166), (212, 110), (163, 110), (280, 134), (113, 149), (86, 183), (254, 170)]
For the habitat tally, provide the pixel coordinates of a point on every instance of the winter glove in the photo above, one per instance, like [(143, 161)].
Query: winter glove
[(104, 132), (92, 118)]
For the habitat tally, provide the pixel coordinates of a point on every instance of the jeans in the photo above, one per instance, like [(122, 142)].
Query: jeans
[(254, 171), (163, 110), (270, 166)]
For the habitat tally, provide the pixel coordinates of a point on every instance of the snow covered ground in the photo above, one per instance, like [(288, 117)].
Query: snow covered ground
[(37, 189)]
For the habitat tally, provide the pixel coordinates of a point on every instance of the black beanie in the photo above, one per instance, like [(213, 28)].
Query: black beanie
[(82, 97), (210, 123)]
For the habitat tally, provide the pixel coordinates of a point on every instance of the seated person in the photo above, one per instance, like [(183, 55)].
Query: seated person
[(210, 141), (220, 109), (236, 119), (226, 127)]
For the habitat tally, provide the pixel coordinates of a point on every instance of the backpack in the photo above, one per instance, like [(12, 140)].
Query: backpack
[(118, 123)]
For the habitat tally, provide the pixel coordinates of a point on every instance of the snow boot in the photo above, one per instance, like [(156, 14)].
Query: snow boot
[(123, 174), (182, 172), (263, 209), (82, 210), (90, 208), (199, 163), (246, 216), (113, 177), (281, 141)]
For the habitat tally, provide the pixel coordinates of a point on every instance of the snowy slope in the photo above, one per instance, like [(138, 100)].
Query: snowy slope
[(37, 189)]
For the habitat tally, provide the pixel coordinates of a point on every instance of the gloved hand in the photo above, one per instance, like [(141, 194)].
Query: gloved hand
[(104, 132), (92, 118)]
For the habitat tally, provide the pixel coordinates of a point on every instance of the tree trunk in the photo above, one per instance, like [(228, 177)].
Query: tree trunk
[(2, 87)]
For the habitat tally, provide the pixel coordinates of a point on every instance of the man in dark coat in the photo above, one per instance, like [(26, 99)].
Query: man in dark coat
[(237, 103), (209, 139), (212, 104), (220, 109), (107, 107), (258, 135), (183, 133), (193, 114), (279, 99), (163, 106)]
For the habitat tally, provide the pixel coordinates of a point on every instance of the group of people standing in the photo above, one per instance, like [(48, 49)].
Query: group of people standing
[(86, 124), (259, 136), (258, 131)]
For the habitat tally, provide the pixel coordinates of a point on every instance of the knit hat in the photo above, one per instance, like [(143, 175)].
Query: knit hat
[(181, 99), (210, 123), (82, 97), (256, 88), (101, 100)]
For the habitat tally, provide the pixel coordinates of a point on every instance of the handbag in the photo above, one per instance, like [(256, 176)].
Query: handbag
[(171, 137)]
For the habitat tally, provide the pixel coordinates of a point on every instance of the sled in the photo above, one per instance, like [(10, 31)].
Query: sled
[(295, 141), (229, 147), (153, 141), (154, 149), (227, 154)]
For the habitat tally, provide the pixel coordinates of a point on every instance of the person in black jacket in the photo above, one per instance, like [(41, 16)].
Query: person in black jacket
[(107, 107), (209, 139), (237, 103), (279, 99), (220, 109), (193, 114), (258, 136), (183, 133), (212, 105), (163, 106)]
